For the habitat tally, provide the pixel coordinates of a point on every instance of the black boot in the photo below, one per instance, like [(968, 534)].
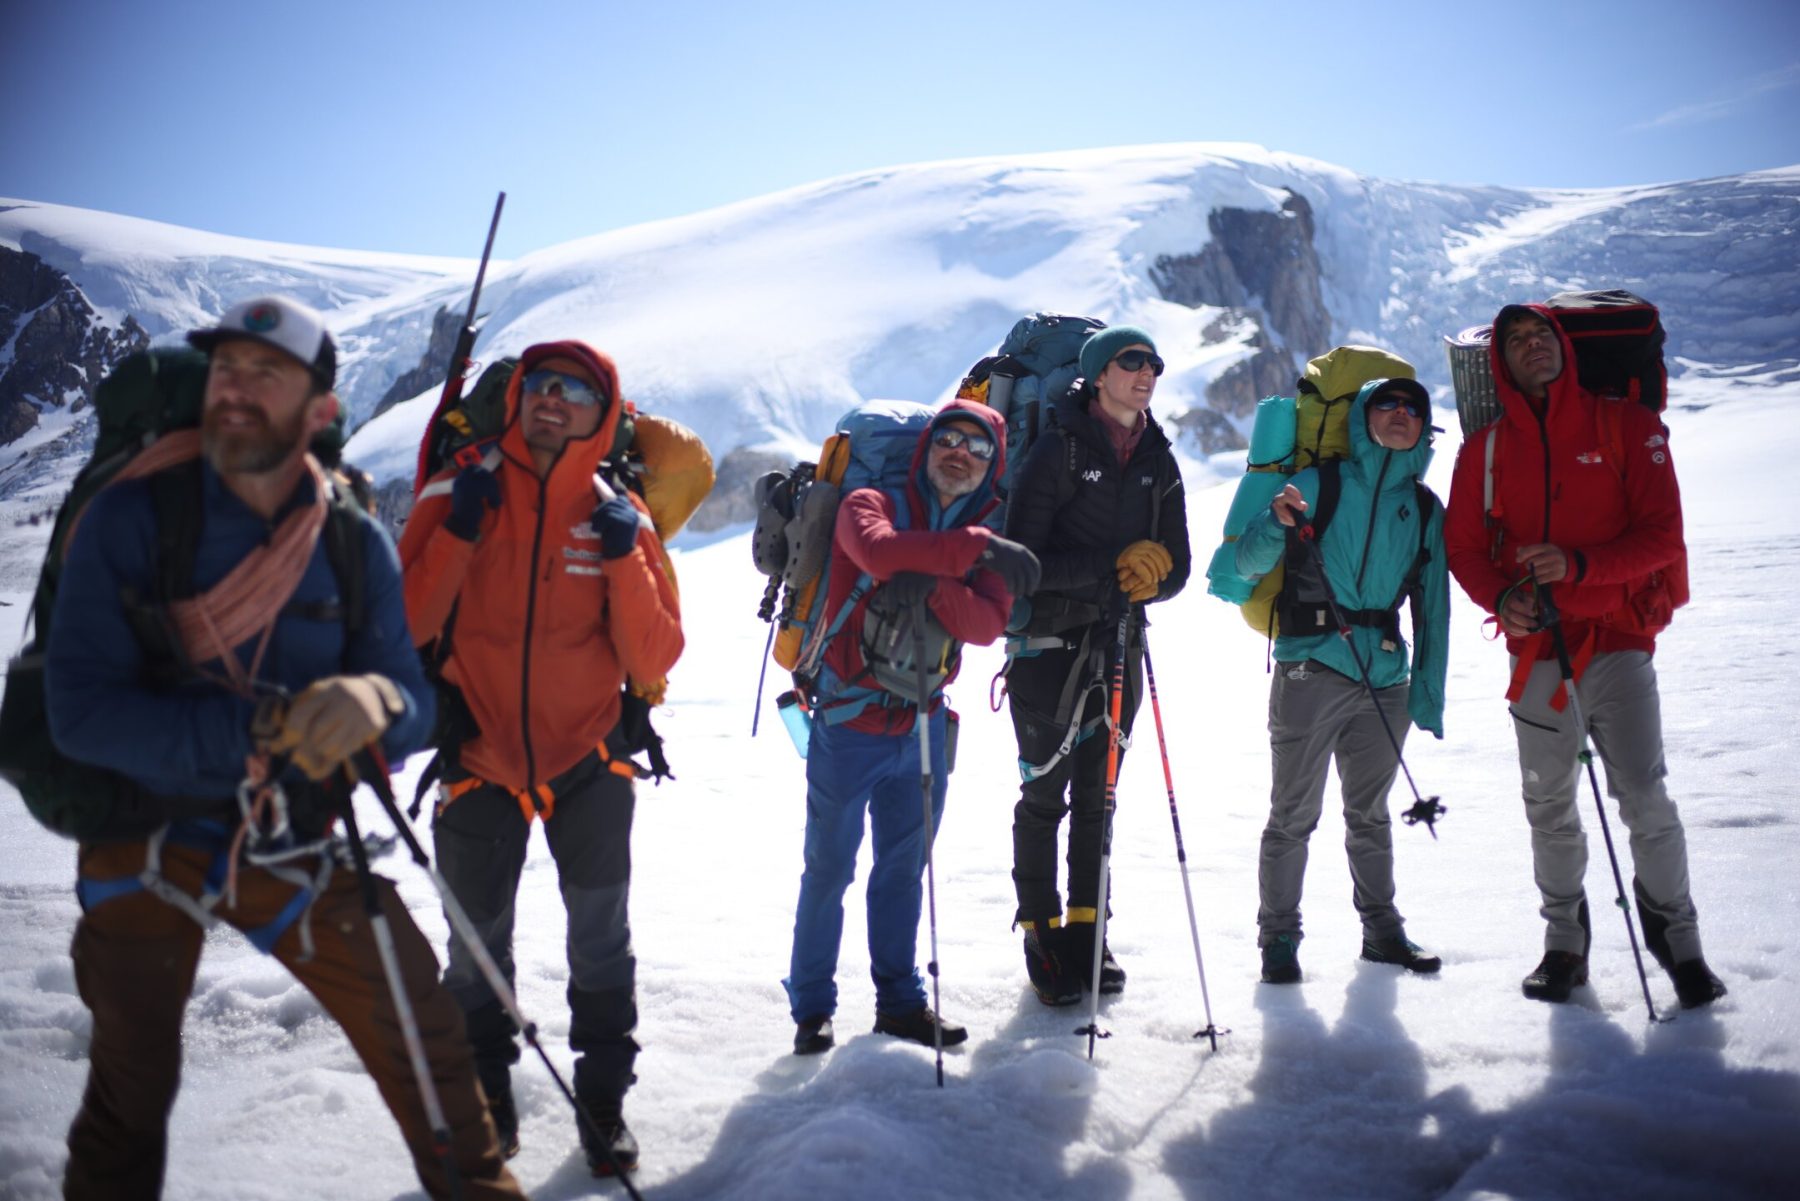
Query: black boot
[(1402, 952), (814, 1036), (917, 1027), (611, 1148), (1281, 960), (1045, 963), (1695, 984), (497, 1084), (1556, 976), (1079, 941)]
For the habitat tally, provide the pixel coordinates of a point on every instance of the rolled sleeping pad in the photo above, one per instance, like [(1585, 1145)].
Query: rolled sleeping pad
[(999, 393), (1472, 377), (1254, 493), (1272, 433)]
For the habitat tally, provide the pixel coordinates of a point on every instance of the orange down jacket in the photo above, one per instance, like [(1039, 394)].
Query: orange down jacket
[(546, 630)]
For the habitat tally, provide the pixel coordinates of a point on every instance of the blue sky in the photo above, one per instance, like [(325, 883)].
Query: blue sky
[(390, 124)]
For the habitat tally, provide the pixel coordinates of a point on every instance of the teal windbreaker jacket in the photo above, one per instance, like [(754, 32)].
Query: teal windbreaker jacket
[(1369, 545)]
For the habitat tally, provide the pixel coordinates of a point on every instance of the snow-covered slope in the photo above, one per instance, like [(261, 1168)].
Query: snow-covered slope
[(756, 323)]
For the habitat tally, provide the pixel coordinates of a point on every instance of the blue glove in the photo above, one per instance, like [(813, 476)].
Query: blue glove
[(616, 521), (474, 493)]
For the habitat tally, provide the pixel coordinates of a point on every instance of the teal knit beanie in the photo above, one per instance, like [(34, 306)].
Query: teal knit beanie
[(1103, 344)]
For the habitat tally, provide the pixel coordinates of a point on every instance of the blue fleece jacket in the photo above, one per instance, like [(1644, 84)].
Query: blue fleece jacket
[(192, 741), (1368, 546)]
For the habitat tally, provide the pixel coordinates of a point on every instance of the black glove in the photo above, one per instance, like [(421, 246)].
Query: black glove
[(906, 589), (474, 493), (1016, 566), (616, 521)]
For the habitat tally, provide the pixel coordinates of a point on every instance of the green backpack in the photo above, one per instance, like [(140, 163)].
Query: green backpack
[(150, 393)]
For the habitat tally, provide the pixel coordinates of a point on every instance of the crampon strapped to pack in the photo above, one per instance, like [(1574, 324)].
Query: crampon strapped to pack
[(1289, 434), (150, 394)]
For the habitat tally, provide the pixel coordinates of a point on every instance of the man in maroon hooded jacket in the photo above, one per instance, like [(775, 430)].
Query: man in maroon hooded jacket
[(863, 752), (1574, 491)]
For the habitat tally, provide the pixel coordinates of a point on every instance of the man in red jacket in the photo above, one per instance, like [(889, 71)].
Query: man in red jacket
[(1576, 492), (919, 550)]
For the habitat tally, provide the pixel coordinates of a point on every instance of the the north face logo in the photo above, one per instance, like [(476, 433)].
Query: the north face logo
[(1092, 475)]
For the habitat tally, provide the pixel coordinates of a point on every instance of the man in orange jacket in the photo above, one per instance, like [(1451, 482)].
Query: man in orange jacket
[(543, 591)]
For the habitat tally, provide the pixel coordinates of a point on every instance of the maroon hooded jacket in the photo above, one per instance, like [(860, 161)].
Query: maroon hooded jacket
[(970, 603)]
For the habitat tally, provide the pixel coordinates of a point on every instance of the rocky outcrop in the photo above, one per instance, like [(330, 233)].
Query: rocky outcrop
[(433, 364), (61, 347), (1263, 270), (1207, 432)]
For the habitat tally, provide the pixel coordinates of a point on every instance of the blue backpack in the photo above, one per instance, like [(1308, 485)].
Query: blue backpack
[(1036, 365)]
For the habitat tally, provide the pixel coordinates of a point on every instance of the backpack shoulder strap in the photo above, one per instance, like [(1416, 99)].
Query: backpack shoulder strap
[(1331, 487), (346, 526)]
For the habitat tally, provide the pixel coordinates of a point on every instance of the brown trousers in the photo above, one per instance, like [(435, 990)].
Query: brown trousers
[(135, 959)]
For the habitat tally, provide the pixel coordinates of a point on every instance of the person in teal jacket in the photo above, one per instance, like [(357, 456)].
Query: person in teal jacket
[(1380, 536)]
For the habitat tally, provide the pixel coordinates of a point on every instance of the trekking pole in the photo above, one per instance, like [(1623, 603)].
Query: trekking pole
[(372, 769), (1424, 809), (1113, 752), (403, 1010), (1553, 621), (1211, 1032), (766, 612), (922, 719)]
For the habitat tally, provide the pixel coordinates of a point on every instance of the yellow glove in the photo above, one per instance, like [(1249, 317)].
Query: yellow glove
[(1141, 567), (334, 718)]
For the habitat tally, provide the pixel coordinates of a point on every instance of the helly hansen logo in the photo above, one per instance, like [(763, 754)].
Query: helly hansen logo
[(1147, 481), (1092, 475)]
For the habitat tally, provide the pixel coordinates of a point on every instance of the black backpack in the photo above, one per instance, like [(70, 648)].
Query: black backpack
[(149, 394)]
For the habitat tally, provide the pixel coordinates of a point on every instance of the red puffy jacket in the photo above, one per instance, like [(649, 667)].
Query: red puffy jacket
[(1606, 496)]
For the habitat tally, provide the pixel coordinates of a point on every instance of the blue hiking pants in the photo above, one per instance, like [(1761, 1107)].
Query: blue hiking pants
[(848, 771)]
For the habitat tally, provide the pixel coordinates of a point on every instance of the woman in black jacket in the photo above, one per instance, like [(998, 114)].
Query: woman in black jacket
[(1099, 501)]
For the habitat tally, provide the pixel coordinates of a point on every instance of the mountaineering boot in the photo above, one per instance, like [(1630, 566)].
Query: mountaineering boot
[(1656, 929), (917, 1027), (1078, 942), (813, 1036), (1559, 974), (1281, 960), (1402, 952), (609, 1135), (1695, 984), (497, 1084), (1045, 963)]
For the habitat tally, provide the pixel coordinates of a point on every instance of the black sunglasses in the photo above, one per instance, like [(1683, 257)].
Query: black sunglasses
[(1134, 360), (1412, 404), (979, 445)]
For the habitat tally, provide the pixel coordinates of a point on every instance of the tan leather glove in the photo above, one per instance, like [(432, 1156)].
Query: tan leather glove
[(1141, 567), (333, 718)]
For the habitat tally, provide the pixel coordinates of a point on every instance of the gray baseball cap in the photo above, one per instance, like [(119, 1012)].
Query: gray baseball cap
[(285, 324)]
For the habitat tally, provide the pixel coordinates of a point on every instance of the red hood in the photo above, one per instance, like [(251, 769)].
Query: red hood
[(984, 497), (1514, 404)]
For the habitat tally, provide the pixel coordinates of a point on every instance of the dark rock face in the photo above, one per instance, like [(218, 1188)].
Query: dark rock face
[(61, 347), (1208, 432), (1263, 269), (434, 364), (730, 500)]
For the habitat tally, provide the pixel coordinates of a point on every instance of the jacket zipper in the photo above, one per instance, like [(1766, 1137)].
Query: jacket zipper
[(1369, 534), (537, 543)]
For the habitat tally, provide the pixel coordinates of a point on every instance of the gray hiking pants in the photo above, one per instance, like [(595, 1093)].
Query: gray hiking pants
[(1619, 703), (1314, 714)]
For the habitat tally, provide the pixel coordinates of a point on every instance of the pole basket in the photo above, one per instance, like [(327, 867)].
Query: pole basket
[(1472, 376)]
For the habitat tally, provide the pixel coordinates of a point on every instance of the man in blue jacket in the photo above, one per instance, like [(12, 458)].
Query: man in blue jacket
[(1380, 538), (262, 658)]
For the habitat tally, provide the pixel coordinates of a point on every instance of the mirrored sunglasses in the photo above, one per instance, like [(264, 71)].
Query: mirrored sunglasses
[(978, 445), (570, 389), (1412, 404), (1134, 360)]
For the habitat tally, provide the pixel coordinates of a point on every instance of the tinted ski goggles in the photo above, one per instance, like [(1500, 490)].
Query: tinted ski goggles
[(979, 446), (1134, 360), (569, 389), (1391, 401)]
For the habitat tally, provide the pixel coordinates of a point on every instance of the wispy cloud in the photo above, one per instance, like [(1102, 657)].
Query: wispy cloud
[(1713, 110)]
